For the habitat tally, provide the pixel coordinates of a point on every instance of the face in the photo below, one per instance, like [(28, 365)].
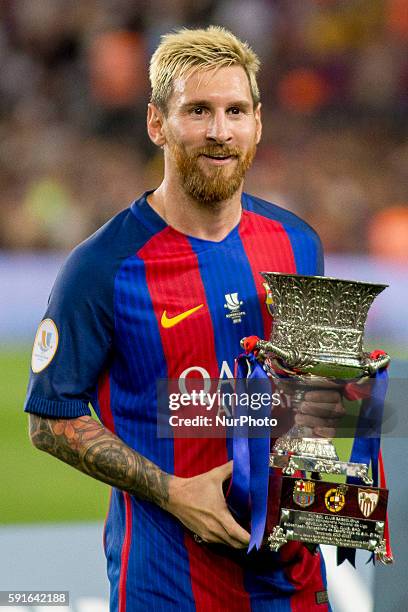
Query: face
[(210, 133)]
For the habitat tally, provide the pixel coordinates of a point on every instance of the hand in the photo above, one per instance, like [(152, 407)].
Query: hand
[(199, 503), (321, 409)]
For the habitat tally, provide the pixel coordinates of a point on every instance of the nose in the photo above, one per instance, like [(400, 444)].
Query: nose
[(218, 128)]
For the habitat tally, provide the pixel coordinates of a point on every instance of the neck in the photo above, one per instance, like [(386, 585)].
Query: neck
[(182, 212)]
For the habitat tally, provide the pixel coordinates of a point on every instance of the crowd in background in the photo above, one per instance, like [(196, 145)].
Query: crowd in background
[(334, 85)]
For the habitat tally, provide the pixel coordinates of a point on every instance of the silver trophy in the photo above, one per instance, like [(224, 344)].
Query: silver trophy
[(317, 336)]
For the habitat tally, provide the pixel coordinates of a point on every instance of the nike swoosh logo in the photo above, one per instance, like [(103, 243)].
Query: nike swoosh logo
[(168, 322)]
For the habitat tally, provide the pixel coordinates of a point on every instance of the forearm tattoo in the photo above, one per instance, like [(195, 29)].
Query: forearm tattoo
[(91, 448)]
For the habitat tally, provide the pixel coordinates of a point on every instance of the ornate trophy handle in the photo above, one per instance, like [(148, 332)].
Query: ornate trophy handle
[(373, 365), (293, 358)]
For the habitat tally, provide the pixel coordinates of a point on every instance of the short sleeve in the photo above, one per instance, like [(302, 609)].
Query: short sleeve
[(73, 342)]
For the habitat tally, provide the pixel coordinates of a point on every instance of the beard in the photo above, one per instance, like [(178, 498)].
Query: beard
[(219, 183)]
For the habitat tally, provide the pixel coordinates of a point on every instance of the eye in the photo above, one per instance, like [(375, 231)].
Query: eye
[(198, 110), (234, 110)]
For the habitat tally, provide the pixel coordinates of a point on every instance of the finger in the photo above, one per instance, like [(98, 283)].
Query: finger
[(224, 539), (290, 385), (325, 432), (208, 538), (319, 383), (339, 410), (225, 470), (235, 544), (234, 531), (322, 396), (309, 420), (224, 531), (322, 410), (234, 541)]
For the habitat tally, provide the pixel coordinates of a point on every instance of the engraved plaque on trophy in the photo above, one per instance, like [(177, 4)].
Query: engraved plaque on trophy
[(314, 511), (317, 336)]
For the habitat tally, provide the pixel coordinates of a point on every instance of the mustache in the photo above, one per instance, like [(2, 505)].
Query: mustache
[(218, 150)]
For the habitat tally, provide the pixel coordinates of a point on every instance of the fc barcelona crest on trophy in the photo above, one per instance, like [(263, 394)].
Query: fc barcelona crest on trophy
[(303, 493)]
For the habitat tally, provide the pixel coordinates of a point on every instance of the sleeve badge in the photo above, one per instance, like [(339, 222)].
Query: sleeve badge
[(45, 345)]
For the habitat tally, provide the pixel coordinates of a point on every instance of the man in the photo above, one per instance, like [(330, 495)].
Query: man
[(146, 297)]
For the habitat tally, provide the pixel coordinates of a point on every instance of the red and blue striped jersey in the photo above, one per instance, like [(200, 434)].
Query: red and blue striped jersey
[(111, 305)]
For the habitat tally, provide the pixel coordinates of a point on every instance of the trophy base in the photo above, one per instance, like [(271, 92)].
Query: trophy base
[(316, 512), (309, 528)]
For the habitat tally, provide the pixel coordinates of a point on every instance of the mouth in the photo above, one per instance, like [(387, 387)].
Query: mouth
[(219, 160)]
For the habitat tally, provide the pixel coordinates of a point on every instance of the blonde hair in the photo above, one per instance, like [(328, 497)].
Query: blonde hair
[(185, 51)]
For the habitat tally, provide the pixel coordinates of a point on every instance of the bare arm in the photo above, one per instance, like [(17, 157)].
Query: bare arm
[(91, 448), (88, 446)]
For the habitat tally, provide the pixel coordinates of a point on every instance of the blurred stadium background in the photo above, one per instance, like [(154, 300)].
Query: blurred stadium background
[(74, 151)]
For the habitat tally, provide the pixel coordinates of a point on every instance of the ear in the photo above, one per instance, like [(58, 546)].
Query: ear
[(258, 121), (155, 119)]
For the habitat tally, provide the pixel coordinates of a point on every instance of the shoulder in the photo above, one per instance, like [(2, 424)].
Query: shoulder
[(304, 240), (87, 276), (91, 267), (117, 239), (277, 213)]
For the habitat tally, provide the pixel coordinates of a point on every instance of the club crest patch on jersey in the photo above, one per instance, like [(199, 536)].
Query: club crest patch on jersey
[(45, 345)]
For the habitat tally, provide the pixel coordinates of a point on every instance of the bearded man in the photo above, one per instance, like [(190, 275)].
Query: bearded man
[(148, 297)]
